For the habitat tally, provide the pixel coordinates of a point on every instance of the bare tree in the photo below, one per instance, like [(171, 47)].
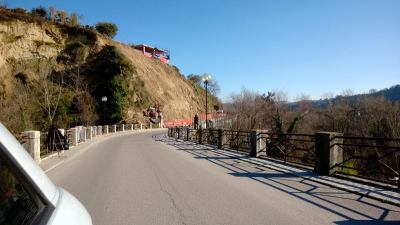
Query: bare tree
[(49, 91)]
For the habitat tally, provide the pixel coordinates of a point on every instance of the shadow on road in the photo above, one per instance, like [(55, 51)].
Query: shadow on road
[(350, 207)]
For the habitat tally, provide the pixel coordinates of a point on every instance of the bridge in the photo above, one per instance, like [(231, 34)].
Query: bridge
[(147, 177)]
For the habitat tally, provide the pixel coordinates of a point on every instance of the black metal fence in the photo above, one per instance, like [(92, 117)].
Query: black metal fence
[(295, 148), (358, 157), (371, 158), (237, 140)]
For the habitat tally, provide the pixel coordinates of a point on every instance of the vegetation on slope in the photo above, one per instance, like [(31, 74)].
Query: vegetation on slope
[(59, 73)]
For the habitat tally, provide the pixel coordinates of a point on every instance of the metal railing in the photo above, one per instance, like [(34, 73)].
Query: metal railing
[(237, 140), (358, 157), (210, 137), (294, 148), (371, 158), (193, 134)]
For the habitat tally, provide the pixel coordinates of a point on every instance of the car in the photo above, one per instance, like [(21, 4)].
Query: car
[(27, 195)]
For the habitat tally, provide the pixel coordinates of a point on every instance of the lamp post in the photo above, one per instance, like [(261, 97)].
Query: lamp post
[(206, 80), (104, 100), (191, 118)]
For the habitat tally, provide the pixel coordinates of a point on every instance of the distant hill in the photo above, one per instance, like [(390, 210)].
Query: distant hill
[(391, 94)]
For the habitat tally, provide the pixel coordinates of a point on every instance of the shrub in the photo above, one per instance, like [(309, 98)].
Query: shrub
[(108, 29), (39, 11), (110, 78)]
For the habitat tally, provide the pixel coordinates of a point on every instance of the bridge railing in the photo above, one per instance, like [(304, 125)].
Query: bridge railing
[(35, 141), (329, 153), (236, 140), (369, 158), (294, 148)]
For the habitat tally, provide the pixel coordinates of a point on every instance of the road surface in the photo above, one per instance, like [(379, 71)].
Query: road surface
[(142, 179)]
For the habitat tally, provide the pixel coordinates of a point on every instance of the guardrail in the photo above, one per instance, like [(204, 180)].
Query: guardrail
[(295, 148), (370, 158), (35, 141), (329, 153), (236, 140)]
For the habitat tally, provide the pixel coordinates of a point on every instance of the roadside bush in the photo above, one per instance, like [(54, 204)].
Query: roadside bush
[(106, 28)]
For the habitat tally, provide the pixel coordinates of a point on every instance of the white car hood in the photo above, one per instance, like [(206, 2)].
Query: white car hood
[(27, 165), (69, 211)]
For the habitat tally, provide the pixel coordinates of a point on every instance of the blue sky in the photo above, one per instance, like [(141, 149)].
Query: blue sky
[(299, 47)]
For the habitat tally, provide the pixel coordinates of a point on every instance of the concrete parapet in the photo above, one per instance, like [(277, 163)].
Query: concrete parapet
[(83, 134), (94, 131), (327, 152), (221, 138), (31, 142), (113, 128), (74, 136), (88, 132), (99, 130), (258, 142)]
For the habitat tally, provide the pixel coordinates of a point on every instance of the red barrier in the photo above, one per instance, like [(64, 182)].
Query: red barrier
[(188, 122)]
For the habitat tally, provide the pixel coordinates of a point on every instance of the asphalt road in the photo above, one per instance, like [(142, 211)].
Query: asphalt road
[(140, 179)]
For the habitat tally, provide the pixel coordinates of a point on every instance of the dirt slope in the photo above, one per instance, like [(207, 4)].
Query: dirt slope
[(27, 44), (165, 84)]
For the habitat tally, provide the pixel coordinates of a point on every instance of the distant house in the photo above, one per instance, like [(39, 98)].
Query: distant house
[(152, 52)]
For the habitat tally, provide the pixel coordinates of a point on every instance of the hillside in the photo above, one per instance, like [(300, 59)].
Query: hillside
[(51, 72), (391, 94)]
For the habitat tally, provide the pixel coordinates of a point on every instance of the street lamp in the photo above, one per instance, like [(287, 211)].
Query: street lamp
[(206, 79), (190, 113), (104, 100)]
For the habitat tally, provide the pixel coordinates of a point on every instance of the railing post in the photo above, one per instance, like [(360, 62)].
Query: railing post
[(123, 127), (114, 128), (141, 126), (88, 132), (179, 132), (94, 131), (328, 153), (32, 144), (200, 135), (254, 143), (187, 133), (221, 138), (74, 136), (83, 134), (105, 129)]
